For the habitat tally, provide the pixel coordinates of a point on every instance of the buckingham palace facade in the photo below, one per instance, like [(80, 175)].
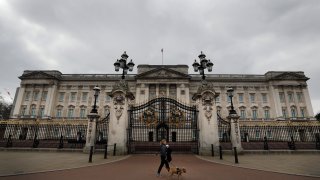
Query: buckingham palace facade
[(275, 95), (135, 112)]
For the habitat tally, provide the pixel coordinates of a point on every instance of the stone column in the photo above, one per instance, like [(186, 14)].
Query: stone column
[(50, 102), (207, 118), (307, 102), (18, 103), (91, 132), (235, 132), (276, 99), (118, 124)]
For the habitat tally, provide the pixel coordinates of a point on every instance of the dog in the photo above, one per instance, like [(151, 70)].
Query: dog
[(178, 171)]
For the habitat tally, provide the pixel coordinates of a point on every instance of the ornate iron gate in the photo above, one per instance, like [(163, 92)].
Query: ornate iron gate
[(163, 118)]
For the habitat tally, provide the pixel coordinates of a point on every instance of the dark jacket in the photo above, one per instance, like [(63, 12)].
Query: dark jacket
[(169, 150), (163, 150)]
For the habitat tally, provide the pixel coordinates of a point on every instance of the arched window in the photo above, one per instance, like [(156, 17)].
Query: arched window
[(33, 110), (284, 112), (293, 112), (266, 112), (83, 110), (23, 110), (59, 111), (242, 112), (41, 111), (71, 112), (254, 112)]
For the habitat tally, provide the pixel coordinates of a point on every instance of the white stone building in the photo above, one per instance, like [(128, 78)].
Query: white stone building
[(270, 96)]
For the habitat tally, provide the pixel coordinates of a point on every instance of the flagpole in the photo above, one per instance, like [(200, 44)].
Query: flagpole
[(162, 55)]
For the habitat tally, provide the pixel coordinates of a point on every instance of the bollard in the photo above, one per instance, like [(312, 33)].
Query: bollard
[(105, 151), (220, 151), (212, 150), (60, 142), (90, 155), (317, 141), (114, 149), (235, 155), (35, 142), (265, 144)]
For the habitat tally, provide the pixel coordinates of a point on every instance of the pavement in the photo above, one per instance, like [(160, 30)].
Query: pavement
[(74, 165)]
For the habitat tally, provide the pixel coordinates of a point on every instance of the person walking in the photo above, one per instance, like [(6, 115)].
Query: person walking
[(163, 156)]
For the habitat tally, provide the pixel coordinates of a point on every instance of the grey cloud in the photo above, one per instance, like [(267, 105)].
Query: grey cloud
[(88, 36)]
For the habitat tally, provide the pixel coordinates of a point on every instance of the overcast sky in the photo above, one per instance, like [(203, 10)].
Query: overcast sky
[(239, 36)]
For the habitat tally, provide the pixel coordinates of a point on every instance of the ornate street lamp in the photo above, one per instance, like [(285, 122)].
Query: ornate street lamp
[(230, 94), (92, 124), (204, 63), (96, 94), (122, 63)]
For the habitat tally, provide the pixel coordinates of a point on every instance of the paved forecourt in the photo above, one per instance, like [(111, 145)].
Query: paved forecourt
[(129, 167)]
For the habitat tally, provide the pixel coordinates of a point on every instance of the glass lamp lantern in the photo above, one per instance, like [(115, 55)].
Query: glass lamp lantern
[(117, 65), (130, 65), (195, 66)]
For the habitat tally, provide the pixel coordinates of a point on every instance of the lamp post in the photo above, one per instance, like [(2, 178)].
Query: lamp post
[(96, 94), (92, 124), (230, 94), (122, 63), (234, 127), (204, 63)]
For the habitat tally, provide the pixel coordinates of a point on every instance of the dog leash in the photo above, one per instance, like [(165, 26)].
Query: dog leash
[(172, 164)]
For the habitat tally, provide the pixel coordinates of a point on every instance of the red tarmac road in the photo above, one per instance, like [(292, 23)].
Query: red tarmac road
[(141, 167)]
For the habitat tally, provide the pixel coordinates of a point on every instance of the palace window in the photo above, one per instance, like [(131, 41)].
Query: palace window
[(266, 114), (242, 114), (252, 98), (84, 96), (33, 110), (70, 112), (44, 95), (290, 97), (173, 91), (73, 97), (83, 112), (299, 97), (293, 112), (281, 96), (302, 110), (23, 110), (254, 114), (35, 95), (264, 98), (41, 111), (228, 99), (240, 98), (61, 96), (152, 91), (26, 98), (59, 112), (284, 112)]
